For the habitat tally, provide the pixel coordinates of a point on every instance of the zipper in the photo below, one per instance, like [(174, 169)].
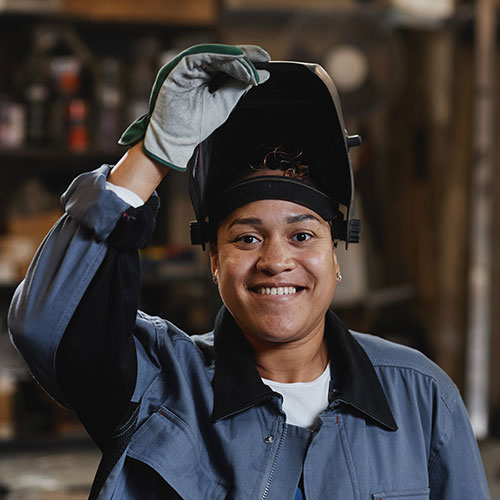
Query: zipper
[(275, 462)]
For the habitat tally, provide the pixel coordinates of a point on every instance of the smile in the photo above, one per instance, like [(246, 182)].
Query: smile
[(281, 290)]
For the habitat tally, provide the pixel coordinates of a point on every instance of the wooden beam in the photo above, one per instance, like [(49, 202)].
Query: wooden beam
[(190, 12), (481, 208)]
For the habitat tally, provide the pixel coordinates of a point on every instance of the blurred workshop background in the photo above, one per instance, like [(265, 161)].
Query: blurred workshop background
[(418, 79)]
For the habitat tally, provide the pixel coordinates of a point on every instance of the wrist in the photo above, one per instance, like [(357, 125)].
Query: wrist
[(138, 172)]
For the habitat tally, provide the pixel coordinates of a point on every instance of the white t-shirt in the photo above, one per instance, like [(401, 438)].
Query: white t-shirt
[(303, 401), (125, 194)]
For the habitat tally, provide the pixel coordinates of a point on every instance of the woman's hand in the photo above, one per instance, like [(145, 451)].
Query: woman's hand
[(186, 107)]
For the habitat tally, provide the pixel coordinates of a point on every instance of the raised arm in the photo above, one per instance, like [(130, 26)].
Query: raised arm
[(97, 361), (84, 277), (61, 272)]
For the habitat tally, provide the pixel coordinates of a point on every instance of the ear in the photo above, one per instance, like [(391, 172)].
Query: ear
[(214, 259), (337, 267)]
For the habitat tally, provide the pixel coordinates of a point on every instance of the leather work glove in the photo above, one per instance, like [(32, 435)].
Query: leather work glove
[(184, 106)]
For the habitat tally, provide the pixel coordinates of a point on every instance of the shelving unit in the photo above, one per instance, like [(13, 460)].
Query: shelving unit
[(181, 292)]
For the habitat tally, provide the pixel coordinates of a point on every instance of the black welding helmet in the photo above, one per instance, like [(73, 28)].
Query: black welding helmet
[(297, 110)]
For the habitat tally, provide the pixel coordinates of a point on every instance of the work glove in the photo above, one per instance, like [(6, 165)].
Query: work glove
[(191, 97)]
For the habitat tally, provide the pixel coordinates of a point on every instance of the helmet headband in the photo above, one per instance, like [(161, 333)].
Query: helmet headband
[(272, 188)]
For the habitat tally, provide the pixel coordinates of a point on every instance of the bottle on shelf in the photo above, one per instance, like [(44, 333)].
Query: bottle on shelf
[(71, 109), (144, 66), (109, 123), (12, 123), (37, 98)]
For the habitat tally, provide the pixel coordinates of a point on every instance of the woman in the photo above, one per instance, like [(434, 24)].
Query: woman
[(280, 401)]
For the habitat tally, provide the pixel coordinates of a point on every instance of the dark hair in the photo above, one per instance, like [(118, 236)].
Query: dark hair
[(280, 160)]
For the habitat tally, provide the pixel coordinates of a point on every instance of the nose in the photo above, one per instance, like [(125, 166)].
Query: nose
[(276, 257)]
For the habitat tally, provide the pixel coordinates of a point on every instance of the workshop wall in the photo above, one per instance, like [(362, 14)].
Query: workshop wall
[(76, 73)]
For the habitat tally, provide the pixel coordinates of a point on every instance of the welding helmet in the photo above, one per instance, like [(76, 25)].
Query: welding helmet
[(297, 110)]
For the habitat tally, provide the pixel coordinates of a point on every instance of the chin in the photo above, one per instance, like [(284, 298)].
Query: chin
[(276, 333)]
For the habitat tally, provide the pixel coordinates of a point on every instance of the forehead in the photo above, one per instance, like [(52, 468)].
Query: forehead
[(272, 212)]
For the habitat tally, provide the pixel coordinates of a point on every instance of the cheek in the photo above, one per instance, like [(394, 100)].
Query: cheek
[(232, 266), (323, 266), (322, 259), (232, 277)]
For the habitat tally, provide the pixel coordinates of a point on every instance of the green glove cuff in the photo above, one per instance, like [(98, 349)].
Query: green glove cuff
[(161, 160), (135, 131)]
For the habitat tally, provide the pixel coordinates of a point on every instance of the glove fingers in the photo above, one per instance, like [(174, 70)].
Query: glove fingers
[(263, 75), (256, 76), (241, 69), (255, 53), (197, 69)]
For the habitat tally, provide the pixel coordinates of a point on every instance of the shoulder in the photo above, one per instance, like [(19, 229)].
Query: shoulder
[(156, 333), (399, 364)]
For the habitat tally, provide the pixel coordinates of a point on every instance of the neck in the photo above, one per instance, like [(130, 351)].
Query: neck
[(299, 361)]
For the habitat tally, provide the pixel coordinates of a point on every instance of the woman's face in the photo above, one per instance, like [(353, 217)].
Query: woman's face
[(276, 269)]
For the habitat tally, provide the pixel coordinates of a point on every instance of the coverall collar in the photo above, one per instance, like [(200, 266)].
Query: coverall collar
[(238, 385)]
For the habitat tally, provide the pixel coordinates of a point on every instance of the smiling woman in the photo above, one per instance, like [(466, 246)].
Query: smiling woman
[(272, 253), (280, 401), (264, 248)]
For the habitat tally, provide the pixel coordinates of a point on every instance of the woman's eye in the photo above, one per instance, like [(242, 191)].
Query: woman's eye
[(247, 238), (301, 236)]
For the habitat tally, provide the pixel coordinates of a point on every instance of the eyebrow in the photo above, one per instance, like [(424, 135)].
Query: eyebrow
[(244, 221), (300, 218)]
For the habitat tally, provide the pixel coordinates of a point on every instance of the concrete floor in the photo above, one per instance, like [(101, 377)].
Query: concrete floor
[(48, 475), (490, 453), (67, 474)]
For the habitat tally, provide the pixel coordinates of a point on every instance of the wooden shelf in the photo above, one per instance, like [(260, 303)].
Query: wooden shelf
[(49, 443), (113, 18), (55, 159)]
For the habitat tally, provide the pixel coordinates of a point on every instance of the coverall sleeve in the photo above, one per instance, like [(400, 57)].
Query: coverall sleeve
[(70, 274), (456, 470)]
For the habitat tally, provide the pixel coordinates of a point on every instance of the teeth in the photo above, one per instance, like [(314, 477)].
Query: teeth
[(281, 290)]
